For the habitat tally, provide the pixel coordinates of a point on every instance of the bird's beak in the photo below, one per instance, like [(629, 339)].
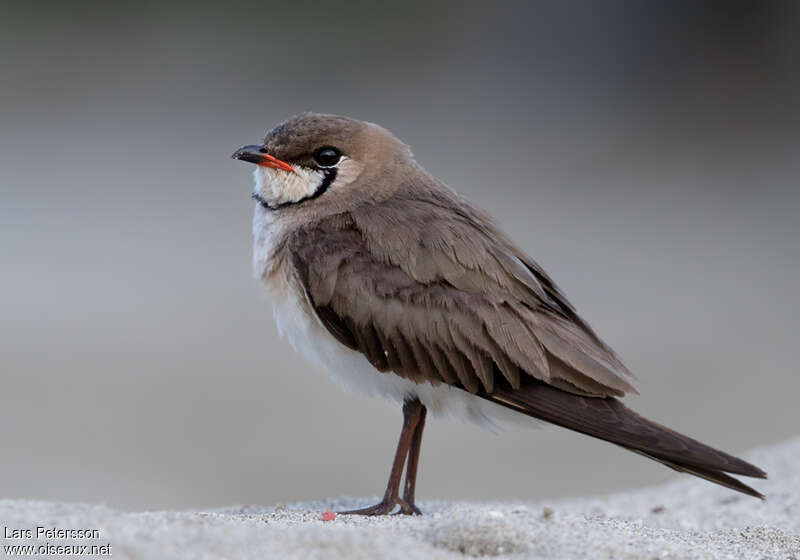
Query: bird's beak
[(254, 154)]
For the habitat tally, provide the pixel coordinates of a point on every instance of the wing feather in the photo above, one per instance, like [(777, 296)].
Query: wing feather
[(610, 420), (426, 287), (430, 289)]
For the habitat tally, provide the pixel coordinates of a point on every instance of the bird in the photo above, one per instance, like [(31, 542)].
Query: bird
[(401, 288)]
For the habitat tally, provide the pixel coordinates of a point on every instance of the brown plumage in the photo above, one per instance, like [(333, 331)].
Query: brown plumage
[(398, 267)]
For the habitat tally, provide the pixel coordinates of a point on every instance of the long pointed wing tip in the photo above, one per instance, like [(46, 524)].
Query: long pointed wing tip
[(755, 493), (752, 471)]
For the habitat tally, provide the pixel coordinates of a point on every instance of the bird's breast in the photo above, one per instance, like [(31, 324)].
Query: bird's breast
[(298, 324), (294, 317)]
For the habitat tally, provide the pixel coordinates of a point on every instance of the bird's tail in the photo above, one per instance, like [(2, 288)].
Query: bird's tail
[(610, 420)]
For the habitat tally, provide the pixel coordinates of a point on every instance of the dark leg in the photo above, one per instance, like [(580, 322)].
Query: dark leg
[(412, 411), (408, 507)]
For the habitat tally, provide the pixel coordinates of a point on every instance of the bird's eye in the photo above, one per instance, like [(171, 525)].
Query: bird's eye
[(327, 156)]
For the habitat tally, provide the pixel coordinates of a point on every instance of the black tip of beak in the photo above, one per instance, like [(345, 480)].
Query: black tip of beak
[(250, 154)]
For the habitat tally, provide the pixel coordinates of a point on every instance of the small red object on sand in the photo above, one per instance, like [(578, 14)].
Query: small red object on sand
[(328, 515)]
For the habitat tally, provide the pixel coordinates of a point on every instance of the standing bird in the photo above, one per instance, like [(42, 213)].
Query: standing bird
[(401, 288)]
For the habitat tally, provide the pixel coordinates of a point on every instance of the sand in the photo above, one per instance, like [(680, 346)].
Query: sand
[(687, 518)]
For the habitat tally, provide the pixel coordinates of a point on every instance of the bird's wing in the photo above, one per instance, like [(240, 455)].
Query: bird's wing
[(426, 286)]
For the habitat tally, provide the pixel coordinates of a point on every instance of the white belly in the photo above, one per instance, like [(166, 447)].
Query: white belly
[(298, 324)]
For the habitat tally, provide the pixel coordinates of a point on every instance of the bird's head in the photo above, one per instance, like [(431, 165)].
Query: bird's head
[(313, 155)]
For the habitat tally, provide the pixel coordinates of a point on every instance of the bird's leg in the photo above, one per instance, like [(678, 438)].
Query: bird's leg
[(407, 506), (412, 411)]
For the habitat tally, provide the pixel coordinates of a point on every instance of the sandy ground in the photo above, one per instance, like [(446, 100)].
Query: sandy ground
[(684, 519)]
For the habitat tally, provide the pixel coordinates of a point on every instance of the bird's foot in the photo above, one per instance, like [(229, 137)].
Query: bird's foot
[(381, 508), (408, 508), (385, 507)]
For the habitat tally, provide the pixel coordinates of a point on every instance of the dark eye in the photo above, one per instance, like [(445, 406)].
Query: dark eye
[(327, 156)]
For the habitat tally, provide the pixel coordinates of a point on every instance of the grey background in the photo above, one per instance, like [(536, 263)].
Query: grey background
[(645, 153)]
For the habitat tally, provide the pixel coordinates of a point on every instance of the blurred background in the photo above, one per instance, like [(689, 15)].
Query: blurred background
[(646, 153)]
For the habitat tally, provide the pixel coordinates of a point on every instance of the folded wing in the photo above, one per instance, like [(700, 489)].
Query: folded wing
[(429, 289), (425, 286)]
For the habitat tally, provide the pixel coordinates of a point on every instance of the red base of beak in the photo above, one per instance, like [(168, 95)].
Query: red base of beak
[(254, 154)]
